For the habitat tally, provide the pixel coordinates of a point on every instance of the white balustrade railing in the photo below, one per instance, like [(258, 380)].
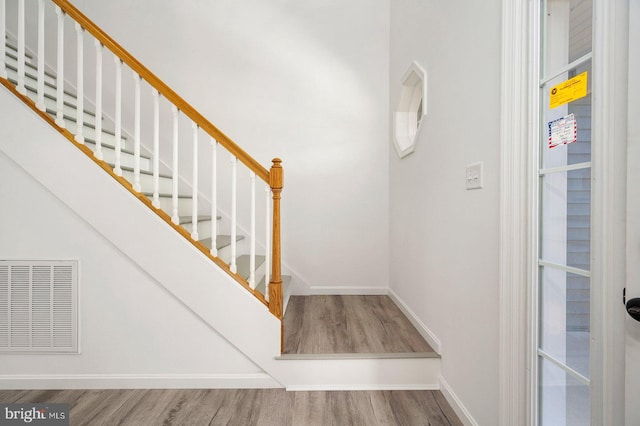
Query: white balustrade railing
[(117, 168), (267, 238), (60, 70), (40, 101), (21, 56), (174, 193), (3, 45), (252, 233), (156, 149), (98, 121), (214, 197), (80, 85), (234, 196), (234, 213), (194, 185), (136, 135)]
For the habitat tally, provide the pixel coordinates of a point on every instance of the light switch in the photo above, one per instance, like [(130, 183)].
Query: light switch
[(474, 176)]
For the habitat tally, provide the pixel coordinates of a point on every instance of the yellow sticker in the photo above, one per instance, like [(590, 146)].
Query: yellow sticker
[(568, 91)]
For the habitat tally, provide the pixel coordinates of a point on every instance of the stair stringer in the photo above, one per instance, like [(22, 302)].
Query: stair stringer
[(138, 232)]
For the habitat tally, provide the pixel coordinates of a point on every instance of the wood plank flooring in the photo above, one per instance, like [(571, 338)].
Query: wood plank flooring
[(244, 407), (348, 324)]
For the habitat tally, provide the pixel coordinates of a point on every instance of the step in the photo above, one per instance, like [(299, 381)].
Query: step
[(286, 285), (243, 263), (127, 158), (146, 180), (204, 225), (185, 204), (11, 48), (11, 61), (323, 372), (68, 112), (49, 89), (89, 132), (223, 244)]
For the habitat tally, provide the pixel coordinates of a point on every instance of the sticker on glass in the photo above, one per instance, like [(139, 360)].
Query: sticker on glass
[(563, 131), (568, 91)]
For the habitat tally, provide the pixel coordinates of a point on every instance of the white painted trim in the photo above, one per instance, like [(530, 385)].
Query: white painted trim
[(347, 290), (455, 403), (608, 238), (424, 331), (324, 388), (358, 374), (515, 194), (138, 381)]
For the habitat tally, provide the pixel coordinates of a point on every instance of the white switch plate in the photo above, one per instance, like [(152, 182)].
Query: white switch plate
[(474, 176)]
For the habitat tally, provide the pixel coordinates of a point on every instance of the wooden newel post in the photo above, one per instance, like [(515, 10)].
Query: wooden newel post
[(276, 178)]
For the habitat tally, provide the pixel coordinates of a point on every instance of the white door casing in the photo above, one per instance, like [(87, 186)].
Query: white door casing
[(632, 361)]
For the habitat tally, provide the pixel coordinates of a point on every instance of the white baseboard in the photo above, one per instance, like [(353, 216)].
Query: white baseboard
[(455, 403), (348, 290), (138, 381), (424, 331)]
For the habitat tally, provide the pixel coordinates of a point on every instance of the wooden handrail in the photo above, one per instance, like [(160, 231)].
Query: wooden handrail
[(164, 90)]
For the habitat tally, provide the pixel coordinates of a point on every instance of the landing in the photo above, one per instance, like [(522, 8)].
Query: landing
[(349, 324)]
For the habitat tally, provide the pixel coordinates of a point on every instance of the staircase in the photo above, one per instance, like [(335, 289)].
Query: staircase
[(199, 227), (108, 145)]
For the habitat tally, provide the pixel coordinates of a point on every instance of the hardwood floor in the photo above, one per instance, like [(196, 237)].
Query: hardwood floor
[(348, 324), (245, 407)]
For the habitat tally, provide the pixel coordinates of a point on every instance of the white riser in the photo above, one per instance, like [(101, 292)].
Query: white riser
[(32, 84), (204, 228), (108, 140), (357, 374), (184, 206), (67, 110), (29, 69), (146, 181), (126, 159)]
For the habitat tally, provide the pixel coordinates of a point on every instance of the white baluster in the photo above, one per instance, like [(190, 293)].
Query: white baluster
[(118, 118), (234, 186), (98, 121), (194, 187), (174, 197), (40, 103), (136, 135), (21, 58), (80, 95), (267, 239), (252, 250), (60, 72), (3, 32), (214, 198), (156, 149)]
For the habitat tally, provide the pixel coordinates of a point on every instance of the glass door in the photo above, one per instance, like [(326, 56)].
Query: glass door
[(564, 170)]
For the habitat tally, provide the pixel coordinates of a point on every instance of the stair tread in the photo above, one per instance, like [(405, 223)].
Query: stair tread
[(12, 47), (243, 262), (142, 172), (165, 195), (185, 220), (10, 54), (286, 281), (221, 241), (30, 78)]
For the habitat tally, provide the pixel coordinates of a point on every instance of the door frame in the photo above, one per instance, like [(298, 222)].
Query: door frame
[(518, 210)]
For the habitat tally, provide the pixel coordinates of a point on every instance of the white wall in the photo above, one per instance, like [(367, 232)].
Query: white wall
[(445, 239), (304, 81), (130, 325)]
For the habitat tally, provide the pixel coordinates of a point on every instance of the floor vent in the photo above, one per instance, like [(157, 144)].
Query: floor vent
[(39, 306)]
